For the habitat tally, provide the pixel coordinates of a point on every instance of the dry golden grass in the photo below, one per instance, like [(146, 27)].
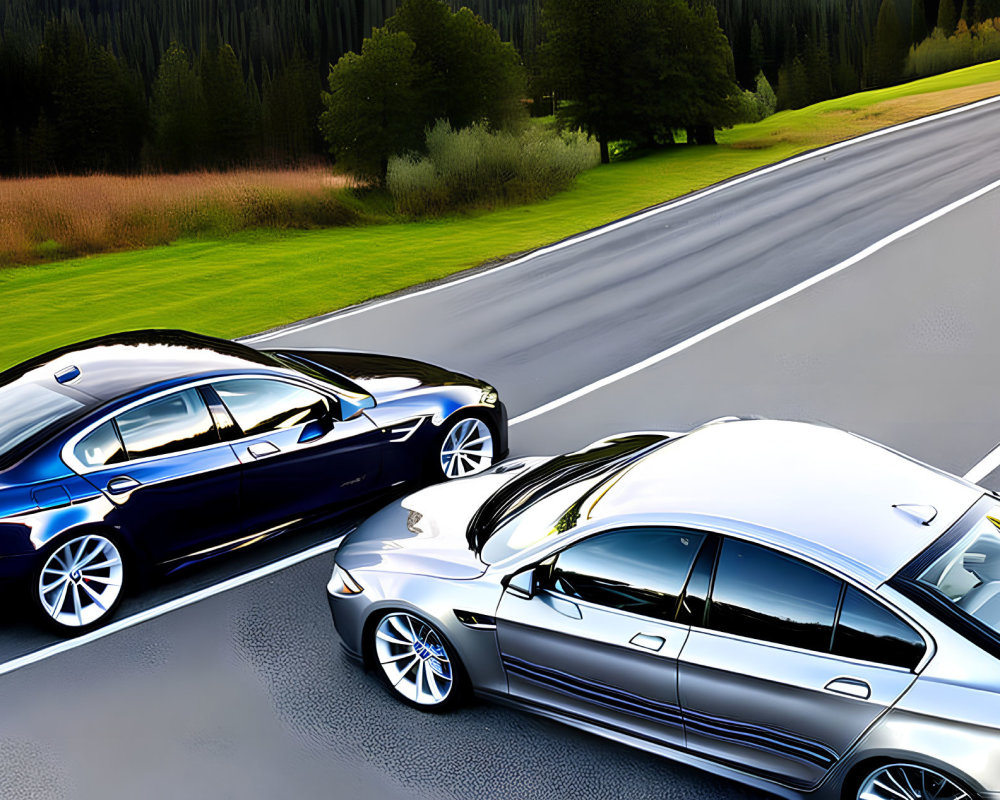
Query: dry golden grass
[(42, 218)]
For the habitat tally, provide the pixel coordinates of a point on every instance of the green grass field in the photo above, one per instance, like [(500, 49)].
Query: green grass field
[(254, 281)]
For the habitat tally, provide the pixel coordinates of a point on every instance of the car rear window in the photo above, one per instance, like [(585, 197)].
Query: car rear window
[(27, 412)]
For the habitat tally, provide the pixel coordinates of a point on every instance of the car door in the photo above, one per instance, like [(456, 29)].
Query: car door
[(174, 483), (299, 458), (597, 638), (786, 665)]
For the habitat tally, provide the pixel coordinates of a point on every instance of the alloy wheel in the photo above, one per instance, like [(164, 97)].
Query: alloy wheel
[(81, 581), (414, 660), (909, 782), (467, 448)]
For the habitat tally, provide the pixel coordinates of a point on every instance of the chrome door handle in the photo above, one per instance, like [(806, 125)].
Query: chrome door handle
[(262, 449), (852, 687), (122, 484), (653, 643)]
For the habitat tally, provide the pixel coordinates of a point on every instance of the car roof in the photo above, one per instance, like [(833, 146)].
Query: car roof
[(813, 490), (117, 364)]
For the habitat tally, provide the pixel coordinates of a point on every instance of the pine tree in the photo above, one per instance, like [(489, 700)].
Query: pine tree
[(987, 9), (888, 46), (757, 51), (177, 112), (229, 112), (947, 18), (918, 21)]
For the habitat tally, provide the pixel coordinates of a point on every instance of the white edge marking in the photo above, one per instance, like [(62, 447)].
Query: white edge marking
[(989, 463), (631, 220), (746, 314), (172, 605)]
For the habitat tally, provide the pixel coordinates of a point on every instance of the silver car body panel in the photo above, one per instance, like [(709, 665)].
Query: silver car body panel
[(760, 713)]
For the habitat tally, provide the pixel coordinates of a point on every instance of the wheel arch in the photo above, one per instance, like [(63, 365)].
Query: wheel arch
[(862, 768)]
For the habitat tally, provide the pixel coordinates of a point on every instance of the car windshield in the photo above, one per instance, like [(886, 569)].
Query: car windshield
[(545, 500), (28, 410), (968, 572), (341, 384)]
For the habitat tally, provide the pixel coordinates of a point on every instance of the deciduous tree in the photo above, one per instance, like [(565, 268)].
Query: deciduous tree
[(635, 69), (372, 108), (426, 64)]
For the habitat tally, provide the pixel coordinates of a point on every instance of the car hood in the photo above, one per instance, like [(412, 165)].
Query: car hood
[(425, 532), (385, 377)]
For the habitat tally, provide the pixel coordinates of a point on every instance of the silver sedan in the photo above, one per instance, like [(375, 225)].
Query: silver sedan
[(788, 605)]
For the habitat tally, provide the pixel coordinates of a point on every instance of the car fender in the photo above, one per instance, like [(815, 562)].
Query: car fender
[(437, 601)]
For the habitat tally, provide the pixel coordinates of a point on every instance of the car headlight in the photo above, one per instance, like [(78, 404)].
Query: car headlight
[(341, 582), (489, 396)]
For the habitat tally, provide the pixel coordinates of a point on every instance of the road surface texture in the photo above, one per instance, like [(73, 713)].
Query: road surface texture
[(246, 695), (545, 327)]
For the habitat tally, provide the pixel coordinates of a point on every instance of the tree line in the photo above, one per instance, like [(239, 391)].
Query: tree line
[(813, 50), (70, 105), (263, 33), (122, 85)]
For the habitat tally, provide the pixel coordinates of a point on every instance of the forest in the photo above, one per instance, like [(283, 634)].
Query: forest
[(110, 67)]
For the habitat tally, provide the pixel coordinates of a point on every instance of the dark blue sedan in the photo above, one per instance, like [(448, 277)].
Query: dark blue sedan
[(164, 448)]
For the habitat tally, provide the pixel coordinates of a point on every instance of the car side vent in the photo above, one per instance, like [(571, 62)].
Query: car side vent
[(66, 374), (478, 621), (508, 466), (923, 514)]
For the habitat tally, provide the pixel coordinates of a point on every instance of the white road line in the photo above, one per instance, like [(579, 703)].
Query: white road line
[(364, 307), (989, 463), (728, 323), (172, 605)]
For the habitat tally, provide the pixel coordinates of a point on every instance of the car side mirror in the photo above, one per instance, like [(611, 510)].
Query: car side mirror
[(317, 428), (522, 584), (351, 406)]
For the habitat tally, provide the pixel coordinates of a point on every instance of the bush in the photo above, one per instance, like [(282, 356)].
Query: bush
[(758, 105), (940, 53), (474, 168)]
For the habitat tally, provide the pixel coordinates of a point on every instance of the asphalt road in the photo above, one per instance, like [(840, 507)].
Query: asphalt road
[(547, 326), (246, 695)]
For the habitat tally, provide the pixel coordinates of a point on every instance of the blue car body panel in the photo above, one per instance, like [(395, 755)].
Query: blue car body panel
[(387, 415)]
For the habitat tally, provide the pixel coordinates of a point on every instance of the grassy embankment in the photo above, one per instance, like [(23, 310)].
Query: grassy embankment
[(255, 280)]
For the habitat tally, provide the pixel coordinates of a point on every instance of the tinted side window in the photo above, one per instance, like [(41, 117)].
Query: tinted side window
[(641, 570), (868, 631), (262, 406), (99, 447), (169, 425), (764, 595)]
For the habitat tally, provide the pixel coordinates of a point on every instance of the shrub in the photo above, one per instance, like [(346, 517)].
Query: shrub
[(940, 53), (475, 167), (757, 105)]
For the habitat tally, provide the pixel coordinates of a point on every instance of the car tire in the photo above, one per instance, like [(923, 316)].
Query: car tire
[(466, 446), (416, 663), (79, 582), (903, 781)]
